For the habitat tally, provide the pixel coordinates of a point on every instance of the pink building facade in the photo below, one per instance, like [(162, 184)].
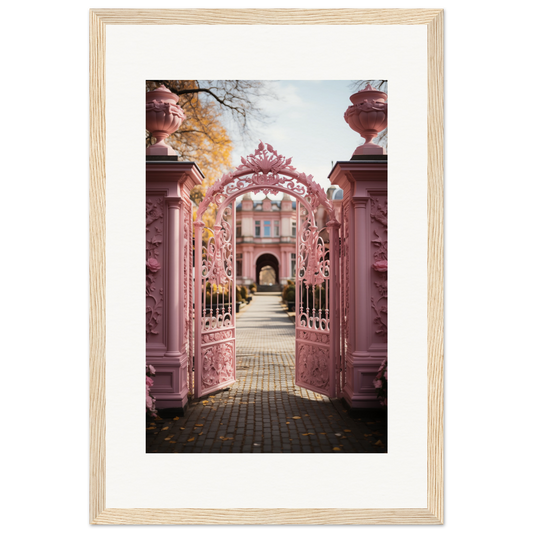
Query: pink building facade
[(266, 237)]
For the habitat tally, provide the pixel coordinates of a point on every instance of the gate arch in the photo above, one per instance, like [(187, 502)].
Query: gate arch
[(317, 364)]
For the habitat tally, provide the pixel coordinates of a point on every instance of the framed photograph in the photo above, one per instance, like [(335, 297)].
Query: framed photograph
[(408, 485)]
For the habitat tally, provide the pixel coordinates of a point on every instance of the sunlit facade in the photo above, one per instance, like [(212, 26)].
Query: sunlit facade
[(266, 238)]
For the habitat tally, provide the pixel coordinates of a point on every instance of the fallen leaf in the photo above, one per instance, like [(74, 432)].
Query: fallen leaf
[(296, 417), (323, 433), (378, 443), (368, 434), (172, 442), (200, 425), (201, 433), (177, 418), (338, 434), (164, 429), (287, 422), (191, 439), (182, 428), (336, 449), (348, 430), (205, 402)]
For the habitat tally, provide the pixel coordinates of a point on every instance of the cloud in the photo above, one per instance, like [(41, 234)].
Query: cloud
[(288, 97)]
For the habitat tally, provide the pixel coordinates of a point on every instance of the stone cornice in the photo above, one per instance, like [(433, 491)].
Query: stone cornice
[(161, 171), (358, 170)]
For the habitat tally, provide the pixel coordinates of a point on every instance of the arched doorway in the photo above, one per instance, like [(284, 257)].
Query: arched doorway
[(318, 366), (267, 270)]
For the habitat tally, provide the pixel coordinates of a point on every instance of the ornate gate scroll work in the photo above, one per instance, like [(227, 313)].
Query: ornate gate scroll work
[(317, 344), (215, 365)]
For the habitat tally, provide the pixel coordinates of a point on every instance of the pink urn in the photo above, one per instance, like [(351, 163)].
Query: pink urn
[(163, 117), (368, 116)]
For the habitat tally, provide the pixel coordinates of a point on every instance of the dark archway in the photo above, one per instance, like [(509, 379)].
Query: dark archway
[(266, 260)]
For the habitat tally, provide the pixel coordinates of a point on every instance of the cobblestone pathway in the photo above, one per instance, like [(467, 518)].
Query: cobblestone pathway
[(264, 411)]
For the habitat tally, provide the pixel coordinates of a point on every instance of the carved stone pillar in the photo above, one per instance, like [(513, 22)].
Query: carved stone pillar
[(169, 299), (364, 278)]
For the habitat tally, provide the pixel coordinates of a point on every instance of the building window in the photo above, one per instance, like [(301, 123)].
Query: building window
[(258, 228), (239, 265), (294, 229), (266, 228), (276, 228), (238, 229), (293, 265)]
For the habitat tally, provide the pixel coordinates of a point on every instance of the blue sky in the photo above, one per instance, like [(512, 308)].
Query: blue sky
[(306, 123)]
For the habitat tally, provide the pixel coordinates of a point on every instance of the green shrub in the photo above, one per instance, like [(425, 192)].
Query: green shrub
[(253, 287), (289, 293), (244, 292)]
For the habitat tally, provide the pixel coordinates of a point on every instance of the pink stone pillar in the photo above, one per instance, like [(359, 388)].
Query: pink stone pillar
[(364, 280), (247, 264), (283, 267), (169, 299), (169, 271)]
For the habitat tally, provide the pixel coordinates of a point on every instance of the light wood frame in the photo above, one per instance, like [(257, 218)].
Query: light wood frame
[(433, 19)]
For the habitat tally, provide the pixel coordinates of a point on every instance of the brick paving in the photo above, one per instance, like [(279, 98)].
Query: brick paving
[(264, 411)]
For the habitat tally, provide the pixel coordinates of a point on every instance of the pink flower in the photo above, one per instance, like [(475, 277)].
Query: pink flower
[(380, 266), (378, 384), (153, 264), (385, 375), (149, 382), (149, 402), (151, 369)]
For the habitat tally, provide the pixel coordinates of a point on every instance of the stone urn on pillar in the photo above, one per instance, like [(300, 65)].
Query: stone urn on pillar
[(163, 117), (368, 116)]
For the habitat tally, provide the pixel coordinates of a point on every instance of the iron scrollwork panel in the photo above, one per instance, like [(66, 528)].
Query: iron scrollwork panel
[(313, 274), (216, 296)]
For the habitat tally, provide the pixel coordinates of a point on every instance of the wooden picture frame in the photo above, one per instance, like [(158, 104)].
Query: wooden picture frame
[(99, 20)]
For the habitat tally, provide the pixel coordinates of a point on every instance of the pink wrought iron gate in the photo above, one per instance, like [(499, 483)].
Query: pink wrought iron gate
[(317, 351), (215, 361), (317, 327)]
